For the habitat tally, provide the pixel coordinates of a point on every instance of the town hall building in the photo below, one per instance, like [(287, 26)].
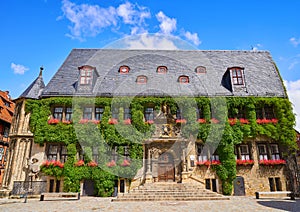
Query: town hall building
[(119, 121)]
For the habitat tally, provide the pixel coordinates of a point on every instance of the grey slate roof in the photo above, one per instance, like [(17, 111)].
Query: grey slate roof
[(261, 76), (35, 89)]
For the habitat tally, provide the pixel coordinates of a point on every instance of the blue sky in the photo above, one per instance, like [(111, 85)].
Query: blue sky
[(42, 32)]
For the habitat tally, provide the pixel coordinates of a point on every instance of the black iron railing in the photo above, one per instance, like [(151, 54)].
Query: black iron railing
[(33, 188)]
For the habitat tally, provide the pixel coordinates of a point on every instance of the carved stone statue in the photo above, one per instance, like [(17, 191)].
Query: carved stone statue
[(33, 167)]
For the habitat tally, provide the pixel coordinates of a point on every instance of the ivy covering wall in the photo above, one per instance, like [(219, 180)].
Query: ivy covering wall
[(105, 135)]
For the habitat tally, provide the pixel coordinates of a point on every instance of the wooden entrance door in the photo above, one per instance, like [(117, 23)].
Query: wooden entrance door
[(166, 170)]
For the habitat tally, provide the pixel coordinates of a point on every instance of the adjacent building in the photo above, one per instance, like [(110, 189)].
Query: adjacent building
[(117, 119), (6, 113)]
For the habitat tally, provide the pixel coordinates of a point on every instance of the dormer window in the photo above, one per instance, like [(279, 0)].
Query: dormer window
[(86, 73), (237, 75), (124, 70), (183, 79), (200, 70), (141, 79), (162, 69)]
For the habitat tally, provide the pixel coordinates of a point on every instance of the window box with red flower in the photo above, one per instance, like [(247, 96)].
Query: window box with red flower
[(266, 121), (111, 163), (53, 121), (79, 163), (66, 122), (244, 121), (180, 121), (201, 121), (52, 168), (83, 121), (149, 122), (215, 163), (203, 163), (95, 121), (125, 163), (240, 162), (214, 121), (272, 162), (113, 121), (232, 121), (92, 164), (127, 121)]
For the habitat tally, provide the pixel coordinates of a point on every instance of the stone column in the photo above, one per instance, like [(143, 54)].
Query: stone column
[(148, 173), (184, 173)]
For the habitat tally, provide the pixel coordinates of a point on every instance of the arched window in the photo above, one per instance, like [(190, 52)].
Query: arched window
[(124, 69), (184, 79), (141, 79), (162, 69)]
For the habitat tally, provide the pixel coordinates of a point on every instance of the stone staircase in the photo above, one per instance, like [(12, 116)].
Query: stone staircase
[(169, 192)]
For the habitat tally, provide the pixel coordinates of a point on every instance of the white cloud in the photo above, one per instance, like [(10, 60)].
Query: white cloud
[(133, 14), (18, 69), (295, 42), (167, 25), (146, 41), (88, 20), (193, 37), (293, 90)]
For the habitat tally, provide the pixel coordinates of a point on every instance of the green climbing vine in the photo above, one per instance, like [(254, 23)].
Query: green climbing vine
[(105, 135)]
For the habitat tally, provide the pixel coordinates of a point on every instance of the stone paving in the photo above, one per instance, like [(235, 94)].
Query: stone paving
[(104, 204)]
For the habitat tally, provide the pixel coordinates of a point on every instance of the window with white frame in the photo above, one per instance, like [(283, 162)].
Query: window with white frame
[(86, 76), (244, 152), (275, 154), (58, 113), (99, 113), (57, 152), (127, 113), (262, 151), (69, 113), (87, 113), (149, 114)]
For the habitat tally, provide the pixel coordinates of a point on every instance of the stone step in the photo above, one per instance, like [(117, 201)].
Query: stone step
[(172, 199), (169, 192)]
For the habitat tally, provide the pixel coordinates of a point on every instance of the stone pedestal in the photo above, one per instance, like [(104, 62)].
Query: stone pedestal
[(184, 176)]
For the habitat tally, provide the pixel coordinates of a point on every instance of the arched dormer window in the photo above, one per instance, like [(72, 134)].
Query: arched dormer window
[(237, 75), (200, 70), (183, 79), (162, 69), (141, 79), (124, 70), (86, 74)]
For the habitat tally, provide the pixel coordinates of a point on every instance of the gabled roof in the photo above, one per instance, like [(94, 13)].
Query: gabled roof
[(35, 89), (261, 75)]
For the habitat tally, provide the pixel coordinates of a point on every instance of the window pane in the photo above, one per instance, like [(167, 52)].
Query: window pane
[(99, 113), (149, 114), (58, 109), (53, 149), (127, 113)]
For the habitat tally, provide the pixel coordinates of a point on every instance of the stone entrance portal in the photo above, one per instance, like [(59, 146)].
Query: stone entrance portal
[(166, 168)]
